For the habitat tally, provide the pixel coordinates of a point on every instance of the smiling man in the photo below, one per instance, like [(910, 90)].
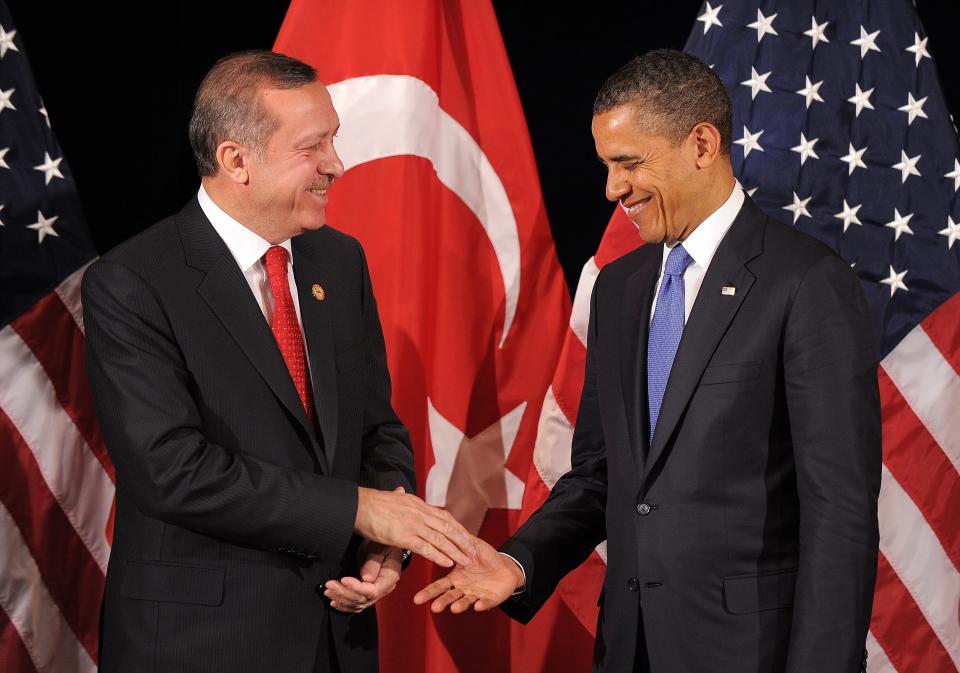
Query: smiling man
[(238, 371), (727, 444)]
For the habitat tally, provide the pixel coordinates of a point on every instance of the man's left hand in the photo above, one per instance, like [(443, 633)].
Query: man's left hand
[(379, 574)]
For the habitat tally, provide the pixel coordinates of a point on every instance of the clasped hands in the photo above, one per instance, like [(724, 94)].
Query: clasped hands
[(391, 521)]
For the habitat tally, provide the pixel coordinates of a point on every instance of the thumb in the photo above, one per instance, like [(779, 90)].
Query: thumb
[(370, 569), (399, 489)]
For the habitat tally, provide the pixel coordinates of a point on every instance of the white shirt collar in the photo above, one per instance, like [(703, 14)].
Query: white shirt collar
[(703, 241), (246, 247)]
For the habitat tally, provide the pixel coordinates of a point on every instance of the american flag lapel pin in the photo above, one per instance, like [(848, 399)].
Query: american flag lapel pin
[(728, 290)]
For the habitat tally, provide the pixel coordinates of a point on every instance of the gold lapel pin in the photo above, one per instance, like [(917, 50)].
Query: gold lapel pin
[(318, 292), (729, 290)]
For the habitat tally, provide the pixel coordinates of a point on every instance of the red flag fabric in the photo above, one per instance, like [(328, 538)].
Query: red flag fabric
[(441, 189), (580, 589)]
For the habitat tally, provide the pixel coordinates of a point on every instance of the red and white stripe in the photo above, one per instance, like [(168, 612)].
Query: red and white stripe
[(916, 618), (56, 492)]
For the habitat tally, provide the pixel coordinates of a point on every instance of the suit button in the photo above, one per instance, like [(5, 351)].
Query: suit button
[(643, 509), (633, 584)]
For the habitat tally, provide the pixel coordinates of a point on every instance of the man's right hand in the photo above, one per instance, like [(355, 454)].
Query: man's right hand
[(483, 584), (402, 520)]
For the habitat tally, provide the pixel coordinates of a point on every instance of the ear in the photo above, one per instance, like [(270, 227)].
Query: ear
[(233, 160), (706, 139)]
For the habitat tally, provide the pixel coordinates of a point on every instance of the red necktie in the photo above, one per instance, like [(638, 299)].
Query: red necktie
[(286, 329)]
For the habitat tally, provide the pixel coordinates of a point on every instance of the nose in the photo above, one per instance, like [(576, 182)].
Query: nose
[(331, 164), (616, 188)]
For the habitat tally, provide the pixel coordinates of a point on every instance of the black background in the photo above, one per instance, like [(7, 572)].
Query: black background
[(118, 82)]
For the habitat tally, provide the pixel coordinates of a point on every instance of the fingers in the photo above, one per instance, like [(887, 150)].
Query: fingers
[(432, 590), (446, 599), (443, 545), (443, 523), (462, 604)]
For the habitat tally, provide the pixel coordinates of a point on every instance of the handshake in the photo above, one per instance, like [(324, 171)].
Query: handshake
[(393, 521)]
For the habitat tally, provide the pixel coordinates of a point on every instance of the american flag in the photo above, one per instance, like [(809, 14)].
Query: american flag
[(840, 128), (56, 485)]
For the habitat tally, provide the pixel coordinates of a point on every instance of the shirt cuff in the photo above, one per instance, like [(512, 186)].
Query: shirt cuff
[(522, 572)]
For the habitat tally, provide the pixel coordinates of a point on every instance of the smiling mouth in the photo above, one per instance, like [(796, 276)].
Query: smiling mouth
[(635, 208), (319, 189)]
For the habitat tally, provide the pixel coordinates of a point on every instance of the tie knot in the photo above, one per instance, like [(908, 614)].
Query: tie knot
[(276, 260), (677, 261)]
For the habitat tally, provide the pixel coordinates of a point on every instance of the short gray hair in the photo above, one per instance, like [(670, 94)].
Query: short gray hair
[(227, 106), (672, 91)]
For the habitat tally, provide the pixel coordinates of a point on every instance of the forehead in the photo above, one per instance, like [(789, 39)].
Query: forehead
[(301, 109), (624, 128)]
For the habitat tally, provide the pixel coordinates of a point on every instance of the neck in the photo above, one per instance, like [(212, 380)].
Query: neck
[(709, 198), (229, 199)]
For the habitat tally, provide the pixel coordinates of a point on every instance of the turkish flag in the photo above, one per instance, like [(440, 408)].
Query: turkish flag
[(579, 591), (441, 189)]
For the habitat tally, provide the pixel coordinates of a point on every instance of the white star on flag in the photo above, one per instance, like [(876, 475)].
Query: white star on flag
[(849, 215), (749, 141), (757, 83), (3, 153), (763, 25), (753, 191), (798, 207), (811, 91), (954, 175), (470, 475), (900, 224), (919, 48), (6, 41), (44, 226), (861, 100), (805, 148), (866, 42), (952, 232), (907, 166), (5, 100), (895, 281), (2, 206), (854, 158), (43, 111), (913, 108), (816, 32), (50, 168), (710, 17)]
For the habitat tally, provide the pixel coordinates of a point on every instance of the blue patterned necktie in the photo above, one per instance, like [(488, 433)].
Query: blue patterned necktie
[(665, 330)]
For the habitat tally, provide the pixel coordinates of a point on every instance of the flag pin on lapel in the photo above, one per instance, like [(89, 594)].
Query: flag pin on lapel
[(728, 290), (318, 292)]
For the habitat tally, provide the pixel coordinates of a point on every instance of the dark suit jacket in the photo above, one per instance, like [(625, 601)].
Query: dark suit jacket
[(748, 530), (231, 510)]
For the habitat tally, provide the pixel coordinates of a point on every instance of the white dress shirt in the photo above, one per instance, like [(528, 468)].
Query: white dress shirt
[(701, 245), (248, 250)]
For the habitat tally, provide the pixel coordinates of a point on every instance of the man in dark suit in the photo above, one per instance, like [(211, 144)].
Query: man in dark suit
[(727, 444), (239, 374)]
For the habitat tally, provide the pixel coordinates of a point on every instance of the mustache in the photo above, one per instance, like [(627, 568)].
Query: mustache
[(323, 183)]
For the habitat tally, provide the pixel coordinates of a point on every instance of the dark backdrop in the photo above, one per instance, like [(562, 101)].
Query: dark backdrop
[(118, 82)]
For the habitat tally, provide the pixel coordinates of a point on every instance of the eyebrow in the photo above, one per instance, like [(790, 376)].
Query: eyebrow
[(619, 159)]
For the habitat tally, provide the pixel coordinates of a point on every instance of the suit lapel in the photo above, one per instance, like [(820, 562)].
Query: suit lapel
[(711, 315), (226, 292), (637, 298), (318, 329)]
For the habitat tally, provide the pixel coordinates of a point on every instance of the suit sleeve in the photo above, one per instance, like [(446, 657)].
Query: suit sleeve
[(560, 535), (152, 427), (830, 376), (387, 460)]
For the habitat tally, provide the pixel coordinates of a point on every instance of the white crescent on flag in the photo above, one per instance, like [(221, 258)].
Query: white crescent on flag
[(420, 127)]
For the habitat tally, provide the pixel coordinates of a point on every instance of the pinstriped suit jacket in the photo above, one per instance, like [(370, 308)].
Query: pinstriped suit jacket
[(231, 510)]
